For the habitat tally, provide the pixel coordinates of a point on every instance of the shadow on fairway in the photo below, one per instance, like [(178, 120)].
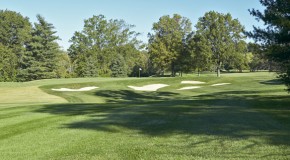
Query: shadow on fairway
[(236, 114), (272, 82)]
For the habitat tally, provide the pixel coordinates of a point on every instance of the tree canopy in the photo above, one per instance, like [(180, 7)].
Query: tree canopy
[(110, 47), (275, 37), (223, 34), (166, 43), (99, 45), (42, 52), (14, 35)]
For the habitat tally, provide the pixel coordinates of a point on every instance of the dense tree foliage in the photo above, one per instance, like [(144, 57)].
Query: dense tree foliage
[(28, 52), (276, 36), (42, 52), (200, 53), (166, 43), (111, 48), (259, 58), (8, 64), (102, 44), (14, 35), (223, 34)]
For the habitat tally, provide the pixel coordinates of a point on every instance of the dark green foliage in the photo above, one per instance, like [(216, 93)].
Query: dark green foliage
[(200, 53), (100, 42), (86, 65), (14, 29), (64, 68), (260, 60), (14, 35), (223, 34), (118, 67), (27, 53), (43, 52), (166, 47), (276, 36), (8, 64)]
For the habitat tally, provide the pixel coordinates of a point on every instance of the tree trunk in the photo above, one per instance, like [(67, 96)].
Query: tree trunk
[(198, 73), (219, 69), (172, 70)]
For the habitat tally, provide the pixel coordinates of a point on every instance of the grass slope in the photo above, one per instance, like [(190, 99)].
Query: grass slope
[(249, 119)]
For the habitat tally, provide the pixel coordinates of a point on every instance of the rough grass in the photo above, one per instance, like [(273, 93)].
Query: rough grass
[(249, 119)]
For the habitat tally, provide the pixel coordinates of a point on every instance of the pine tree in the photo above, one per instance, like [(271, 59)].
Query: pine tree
[(118, 67), (42, 52), (276, 36)]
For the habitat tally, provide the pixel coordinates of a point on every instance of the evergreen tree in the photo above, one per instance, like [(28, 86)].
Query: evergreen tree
[(43, 52), (118, 67), (276, 36)]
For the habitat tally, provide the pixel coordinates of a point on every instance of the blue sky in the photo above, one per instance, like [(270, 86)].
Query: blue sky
[(67, 15)]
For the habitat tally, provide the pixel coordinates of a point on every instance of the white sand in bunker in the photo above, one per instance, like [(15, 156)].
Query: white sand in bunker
[(220, 84), (151, 87), (188, 88), (75, 90), (192, 82)]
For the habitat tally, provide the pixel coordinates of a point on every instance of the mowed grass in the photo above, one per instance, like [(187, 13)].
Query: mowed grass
[(248, 119)]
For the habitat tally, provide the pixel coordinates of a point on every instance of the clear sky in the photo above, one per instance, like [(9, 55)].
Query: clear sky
[(68, 15)]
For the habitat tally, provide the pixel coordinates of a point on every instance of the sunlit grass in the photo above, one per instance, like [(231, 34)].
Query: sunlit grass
[(248, 119)]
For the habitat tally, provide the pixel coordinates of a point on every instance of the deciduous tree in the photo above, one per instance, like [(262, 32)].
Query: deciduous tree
[(15, 33), (222, 34), (166, 43), (103, 41)]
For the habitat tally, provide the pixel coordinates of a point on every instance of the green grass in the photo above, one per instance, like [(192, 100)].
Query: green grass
[(249, 119)]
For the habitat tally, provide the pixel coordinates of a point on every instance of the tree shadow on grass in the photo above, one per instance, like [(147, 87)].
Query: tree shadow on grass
[(128, 96), (272, 82), (234, 114)]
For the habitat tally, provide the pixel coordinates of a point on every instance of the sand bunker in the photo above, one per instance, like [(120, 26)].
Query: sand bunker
[(220, 84), (151, 87), (75, 90), (191, 87), (192, 82)]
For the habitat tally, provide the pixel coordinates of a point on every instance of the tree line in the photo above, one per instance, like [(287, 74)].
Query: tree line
[(110, 48)]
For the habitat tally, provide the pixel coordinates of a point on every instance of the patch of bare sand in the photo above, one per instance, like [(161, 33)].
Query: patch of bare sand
[(188, 88), (220, 84), (192, 82), (151, 87)]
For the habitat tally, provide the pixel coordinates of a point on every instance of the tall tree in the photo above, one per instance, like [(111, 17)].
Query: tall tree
[(102, 40), (64, 66), (43, 51), (200, 53), (275, 37), (166, 43), (8, 64), (223, 34), (260, 60), (15, 33)]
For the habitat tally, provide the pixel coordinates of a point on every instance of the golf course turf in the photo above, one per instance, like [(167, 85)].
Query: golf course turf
[(247, 119)]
